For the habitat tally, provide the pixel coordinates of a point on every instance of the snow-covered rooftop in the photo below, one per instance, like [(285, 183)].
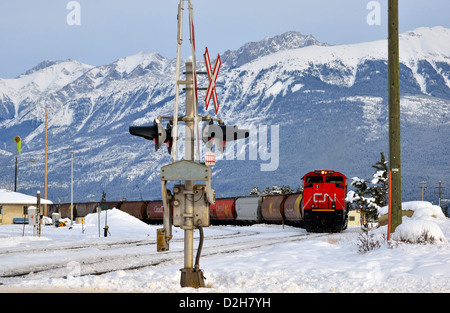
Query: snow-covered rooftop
[(11, 197)]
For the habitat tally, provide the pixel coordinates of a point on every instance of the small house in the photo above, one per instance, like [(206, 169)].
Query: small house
[(14, 206), (354, 218)]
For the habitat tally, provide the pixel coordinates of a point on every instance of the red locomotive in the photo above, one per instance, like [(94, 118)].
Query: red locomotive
[(324, 207)]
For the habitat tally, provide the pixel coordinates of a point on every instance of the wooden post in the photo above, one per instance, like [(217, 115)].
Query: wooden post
[(394, 115), (46, 162), (423, 190), (389, 207)]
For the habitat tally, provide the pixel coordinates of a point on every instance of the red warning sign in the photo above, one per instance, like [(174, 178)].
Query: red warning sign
[(211, 91), (210, 158)]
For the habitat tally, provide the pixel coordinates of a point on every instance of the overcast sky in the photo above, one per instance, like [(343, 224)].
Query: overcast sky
[(35, 30)]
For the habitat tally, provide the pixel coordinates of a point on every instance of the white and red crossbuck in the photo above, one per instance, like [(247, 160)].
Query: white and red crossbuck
[(211, 91)]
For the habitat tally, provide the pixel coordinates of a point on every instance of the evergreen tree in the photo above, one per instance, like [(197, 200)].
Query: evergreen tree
[(357, 197), (286, 190), (380, 177), (369, 199), (363, 198), (255, 192), (103, 196), (274, 190)]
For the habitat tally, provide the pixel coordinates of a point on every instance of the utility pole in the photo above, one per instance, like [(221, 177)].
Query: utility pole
[(423, 189), (46, 160), (440, 192), (71, 190), (395, 201)]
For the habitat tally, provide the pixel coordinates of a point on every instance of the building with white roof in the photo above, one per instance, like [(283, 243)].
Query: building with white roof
[(14, 206)]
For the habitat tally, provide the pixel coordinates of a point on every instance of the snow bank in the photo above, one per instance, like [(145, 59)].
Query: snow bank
[(120, 224), (410, 205), (419, 231), (432, 212), (423, 226)]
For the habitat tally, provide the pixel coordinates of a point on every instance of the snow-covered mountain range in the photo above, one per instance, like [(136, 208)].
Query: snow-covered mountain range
[(329, 102)]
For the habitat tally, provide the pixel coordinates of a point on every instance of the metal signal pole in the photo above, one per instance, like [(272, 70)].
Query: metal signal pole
[(186, 210), (38, 214), (177, 75), (394, 117), (189, 184)]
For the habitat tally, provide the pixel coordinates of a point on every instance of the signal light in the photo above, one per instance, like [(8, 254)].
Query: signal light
[(322, 172), (221, 134), (169, 138), (157, 133)]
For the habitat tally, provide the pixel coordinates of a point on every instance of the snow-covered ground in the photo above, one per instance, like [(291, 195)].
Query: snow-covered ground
[(235, 259)]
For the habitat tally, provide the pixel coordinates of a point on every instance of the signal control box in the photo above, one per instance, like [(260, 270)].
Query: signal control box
[(200, 205)]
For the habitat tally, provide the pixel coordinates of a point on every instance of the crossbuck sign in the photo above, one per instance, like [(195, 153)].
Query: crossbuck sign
[(211, 92)]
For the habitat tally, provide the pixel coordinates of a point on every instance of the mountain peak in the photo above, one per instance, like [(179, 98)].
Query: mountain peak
[(128, 64), (40, 66), (253, 50), (47, 76), (69, 63), (427, 31), (425, 42)]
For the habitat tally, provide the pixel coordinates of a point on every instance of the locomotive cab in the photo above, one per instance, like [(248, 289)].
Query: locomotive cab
[(324, 207)]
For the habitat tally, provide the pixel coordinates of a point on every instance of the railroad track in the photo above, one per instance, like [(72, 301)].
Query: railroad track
[(114, 256), (112, 245), (89, 264)]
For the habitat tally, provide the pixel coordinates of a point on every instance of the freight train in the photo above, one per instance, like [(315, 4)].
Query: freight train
[(319, 208)]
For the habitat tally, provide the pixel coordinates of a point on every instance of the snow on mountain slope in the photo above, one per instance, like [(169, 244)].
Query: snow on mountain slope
[(45, 78), (142, 59), (324, 98), (342, 62), (254, 50)]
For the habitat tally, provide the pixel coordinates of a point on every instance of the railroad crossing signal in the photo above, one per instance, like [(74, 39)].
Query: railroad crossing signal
[(220, 134), (211, 91), (188, 206), (157, 133)]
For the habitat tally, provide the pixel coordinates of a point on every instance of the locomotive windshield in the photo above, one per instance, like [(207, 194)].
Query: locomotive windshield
[(314, 179), (334, 179)]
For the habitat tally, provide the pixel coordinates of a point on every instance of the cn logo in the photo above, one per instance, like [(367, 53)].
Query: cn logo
[(317, 196)]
